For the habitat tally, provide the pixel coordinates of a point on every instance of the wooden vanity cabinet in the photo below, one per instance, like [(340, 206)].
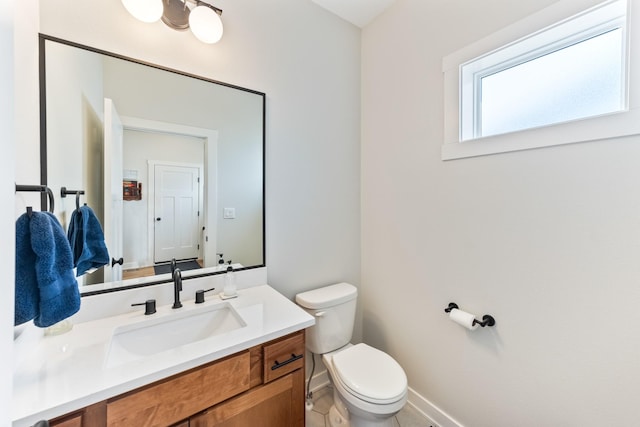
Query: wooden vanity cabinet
[(263, 385)]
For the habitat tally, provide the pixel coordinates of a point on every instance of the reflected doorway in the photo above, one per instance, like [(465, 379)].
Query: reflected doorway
[(176, 212)]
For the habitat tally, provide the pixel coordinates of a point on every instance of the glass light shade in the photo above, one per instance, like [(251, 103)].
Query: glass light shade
[(144, 10), (205, 24)]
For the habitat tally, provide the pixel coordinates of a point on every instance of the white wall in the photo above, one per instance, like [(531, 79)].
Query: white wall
[(7, 218), (545, 240), (27, 132)]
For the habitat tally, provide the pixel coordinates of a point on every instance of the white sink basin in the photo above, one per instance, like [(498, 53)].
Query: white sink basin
[(144, 339)]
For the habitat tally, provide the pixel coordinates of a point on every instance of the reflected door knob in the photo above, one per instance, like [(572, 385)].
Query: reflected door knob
[(114, 261), (158, 219)]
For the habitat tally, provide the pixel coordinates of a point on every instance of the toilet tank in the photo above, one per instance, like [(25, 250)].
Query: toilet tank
[(334, 308)]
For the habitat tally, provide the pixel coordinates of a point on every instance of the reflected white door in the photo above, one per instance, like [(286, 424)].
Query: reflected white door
[(113, 148), (176, 212)]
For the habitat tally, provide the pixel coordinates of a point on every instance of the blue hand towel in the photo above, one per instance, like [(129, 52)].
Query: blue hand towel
[(27, 296), (43, 259), (94, 252)]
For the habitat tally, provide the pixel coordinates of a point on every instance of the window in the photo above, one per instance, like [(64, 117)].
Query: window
[(578, 81), (537, 90)]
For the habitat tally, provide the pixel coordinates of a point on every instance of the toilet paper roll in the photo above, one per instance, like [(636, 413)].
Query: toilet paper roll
[(463, 318)]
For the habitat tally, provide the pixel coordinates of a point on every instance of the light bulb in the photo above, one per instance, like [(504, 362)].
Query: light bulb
[(144, 10), (205, 24)]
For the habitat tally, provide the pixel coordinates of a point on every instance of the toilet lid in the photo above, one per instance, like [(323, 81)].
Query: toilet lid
[(370, 374)]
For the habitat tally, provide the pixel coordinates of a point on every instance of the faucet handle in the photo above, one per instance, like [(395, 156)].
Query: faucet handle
[(149, 306), (200, 295)]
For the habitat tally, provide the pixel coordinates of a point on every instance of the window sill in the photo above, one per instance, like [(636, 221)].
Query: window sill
[(608, 126)]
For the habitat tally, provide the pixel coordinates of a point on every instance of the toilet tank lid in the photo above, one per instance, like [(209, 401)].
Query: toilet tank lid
[(327, 296)]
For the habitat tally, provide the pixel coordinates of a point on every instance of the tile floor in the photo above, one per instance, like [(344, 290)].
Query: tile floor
[(323, 399)]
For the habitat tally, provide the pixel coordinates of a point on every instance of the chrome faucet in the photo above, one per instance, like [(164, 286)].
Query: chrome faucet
[(177, 287)]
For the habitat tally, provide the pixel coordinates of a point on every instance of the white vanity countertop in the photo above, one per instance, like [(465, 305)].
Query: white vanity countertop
[(63, 373)]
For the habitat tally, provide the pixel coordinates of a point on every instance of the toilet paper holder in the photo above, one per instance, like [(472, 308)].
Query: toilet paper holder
[(487, 320)]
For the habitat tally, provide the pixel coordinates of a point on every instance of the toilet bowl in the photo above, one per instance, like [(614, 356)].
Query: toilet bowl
[(369, 386)]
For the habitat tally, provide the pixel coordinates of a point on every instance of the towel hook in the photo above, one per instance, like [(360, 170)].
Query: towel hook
[(64, 192)]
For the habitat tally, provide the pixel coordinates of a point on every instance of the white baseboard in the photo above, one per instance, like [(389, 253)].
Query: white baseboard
[(134, 265), (431, 411)]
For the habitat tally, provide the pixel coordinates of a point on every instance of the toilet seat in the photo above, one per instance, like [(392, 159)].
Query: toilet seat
[(370, 374)]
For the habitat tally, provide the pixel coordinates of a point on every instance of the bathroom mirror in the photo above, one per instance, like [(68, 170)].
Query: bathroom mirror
[(172, 164)]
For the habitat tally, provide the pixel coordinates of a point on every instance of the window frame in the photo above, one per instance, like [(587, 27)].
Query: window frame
[(558, 25)]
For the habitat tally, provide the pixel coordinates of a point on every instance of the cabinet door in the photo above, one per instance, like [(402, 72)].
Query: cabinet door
[(276, 404), (170, 401)]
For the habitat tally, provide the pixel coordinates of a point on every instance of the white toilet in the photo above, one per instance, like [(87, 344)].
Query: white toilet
[(369, 386)]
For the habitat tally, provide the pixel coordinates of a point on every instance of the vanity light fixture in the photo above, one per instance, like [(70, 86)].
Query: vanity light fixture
[(202, 18)]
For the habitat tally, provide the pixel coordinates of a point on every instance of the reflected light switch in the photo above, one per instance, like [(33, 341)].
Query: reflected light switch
[(229, 213)]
